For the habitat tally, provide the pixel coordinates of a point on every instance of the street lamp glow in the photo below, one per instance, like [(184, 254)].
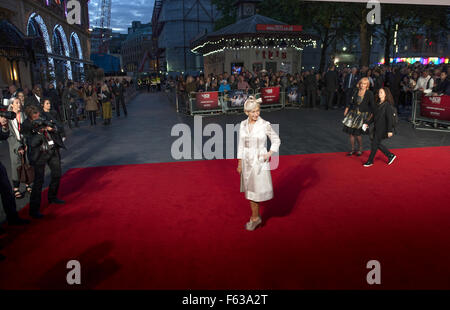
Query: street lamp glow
[(344, 48)]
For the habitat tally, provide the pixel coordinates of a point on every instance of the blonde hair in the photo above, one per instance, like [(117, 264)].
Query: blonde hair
[(364, 79), (11, 102), (251, 103)]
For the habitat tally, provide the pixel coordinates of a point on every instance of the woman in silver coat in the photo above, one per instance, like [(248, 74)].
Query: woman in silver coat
[(254, 168), (16, 144)]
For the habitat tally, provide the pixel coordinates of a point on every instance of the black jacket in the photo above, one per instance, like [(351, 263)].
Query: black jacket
[(331, 80), (34, 141), (52, 116), (4, 134), (354, 81), (442, 87), (367, 104), (32, 100), (383, 120), (311, 82), (118, 90)]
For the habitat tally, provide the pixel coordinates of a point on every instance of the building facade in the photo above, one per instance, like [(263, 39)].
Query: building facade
[(56, 50), (136, 46), (253, 43), (175, 24)]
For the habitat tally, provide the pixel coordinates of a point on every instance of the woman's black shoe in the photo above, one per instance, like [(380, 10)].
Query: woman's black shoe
[(350, 153), (359, 153)]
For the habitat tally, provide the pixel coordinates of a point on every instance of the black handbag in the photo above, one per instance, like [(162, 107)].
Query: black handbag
[(25, 172)]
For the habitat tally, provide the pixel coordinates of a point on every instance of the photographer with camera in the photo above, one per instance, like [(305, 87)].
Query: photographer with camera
[(44, 141), (69, 98), (51, 115)]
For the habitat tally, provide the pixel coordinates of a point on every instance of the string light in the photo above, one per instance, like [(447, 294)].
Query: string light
[(76, 39), (43, 28), (61, 32), (296, 43)]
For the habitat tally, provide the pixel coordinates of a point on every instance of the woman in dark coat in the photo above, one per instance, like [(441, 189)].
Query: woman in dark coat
[(383, 121), (357, 112)]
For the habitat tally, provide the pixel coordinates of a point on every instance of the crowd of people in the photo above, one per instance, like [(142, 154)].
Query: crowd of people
[(330, 89), (34, 127), (73, 101)]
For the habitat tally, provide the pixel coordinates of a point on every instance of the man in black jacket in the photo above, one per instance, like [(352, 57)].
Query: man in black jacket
[(119, 90), (311, 86), (35, 98), (349, 86), (331, 86), (442, 85), (44, 143)]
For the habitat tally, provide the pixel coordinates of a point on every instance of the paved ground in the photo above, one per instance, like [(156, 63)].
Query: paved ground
[(145, 135)]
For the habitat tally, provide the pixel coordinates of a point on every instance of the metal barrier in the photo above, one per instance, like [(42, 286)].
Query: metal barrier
[(422, 122), (217, 103)]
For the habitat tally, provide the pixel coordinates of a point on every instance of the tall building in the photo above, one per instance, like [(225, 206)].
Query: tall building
[(38, 45), (96, 38), (136, 47), (175, 24), (111, 59)]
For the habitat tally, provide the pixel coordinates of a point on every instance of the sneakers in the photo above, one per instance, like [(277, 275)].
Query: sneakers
[(391, 159), (368, 164), (251, 225)]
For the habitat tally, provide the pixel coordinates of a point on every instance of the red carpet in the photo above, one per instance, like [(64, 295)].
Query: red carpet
[(181, 225)]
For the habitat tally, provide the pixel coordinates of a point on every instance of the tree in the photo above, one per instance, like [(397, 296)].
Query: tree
[(228, 10)]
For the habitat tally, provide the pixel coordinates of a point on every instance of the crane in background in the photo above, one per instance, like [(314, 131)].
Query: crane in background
[(105, 24)]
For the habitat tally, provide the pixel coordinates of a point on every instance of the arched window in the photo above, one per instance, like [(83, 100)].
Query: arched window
[(63, 68), (76, 52), (43, 70)]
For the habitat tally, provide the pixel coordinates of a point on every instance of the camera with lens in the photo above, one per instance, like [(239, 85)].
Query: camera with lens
[(8, 115), (40, 123)]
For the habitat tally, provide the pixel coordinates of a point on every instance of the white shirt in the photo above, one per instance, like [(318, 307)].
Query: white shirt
[(37, 97), (422, 83)]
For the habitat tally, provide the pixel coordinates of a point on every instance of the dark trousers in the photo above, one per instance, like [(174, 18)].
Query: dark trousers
[(120, 100), (330, 94), (311, 97), (377, 145), (92, 117), (71, 113), (54, 163), (8, 199)]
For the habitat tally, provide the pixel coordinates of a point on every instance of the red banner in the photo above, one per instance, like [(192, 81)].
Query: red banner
[(437, 107), (286, 28), (207, 100), (270, 95)]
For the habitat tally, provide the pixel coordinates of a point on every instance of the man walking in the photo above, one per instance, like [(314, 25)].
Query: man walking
[(350, 85), (119, 90), (70, 107), (331, 86)]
